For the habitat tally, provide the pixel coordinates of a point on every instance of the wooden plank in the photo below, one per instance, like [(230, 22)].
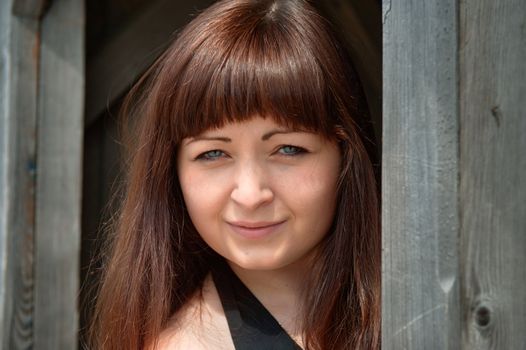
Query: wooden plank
[(492, 172), (19, 47), (59, 180), (111, 72), (30, 8), (420, 282)]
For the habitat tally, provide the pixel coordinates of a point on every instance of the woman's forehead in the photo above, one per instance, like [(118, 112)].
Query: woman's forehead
[(255, 122), (264, 125), (256, 129)]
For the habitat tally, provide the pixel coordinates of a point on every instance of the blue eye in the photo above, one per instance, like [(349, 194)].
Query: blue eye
[(289, 150), (211, 155)]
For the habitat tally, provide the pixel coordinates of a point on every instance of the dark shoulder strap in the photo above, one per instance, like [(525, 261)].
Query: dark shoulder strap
[(251, 325)]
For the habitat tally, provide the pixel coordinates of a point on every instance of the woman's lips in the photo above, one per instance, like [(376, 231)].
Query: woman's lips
[(255, 230)]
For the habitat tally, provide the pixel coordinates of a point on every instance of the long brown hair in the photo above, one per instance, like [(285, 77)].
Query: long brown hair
[(236, 60)]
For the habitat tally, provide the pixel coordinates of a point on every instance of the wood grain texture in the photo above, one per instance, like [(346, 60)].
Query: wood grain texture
[(19, 48), (60, 134), (492, 173), (420, 277), (111, 72), (30, 8)]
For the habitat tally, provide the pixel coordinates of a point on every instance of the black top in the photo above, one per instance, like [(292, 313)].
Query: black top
[(251, 325)]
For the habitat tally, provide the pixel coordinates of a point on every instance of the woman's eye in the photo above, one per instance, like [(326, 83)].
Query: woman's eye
[(289, 150), (210, 155)]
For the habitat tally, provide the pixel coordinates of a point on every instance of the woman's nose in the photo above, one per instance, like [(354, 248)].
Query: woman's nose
[(251, 188)]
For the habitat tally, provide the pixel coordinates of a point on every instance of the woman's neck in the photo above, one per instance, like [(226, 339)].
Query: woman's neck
[(281, 291)]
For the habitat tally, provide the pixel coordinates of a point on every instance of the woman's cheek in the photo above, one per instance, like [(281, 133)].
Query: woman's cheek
[(202, 189)]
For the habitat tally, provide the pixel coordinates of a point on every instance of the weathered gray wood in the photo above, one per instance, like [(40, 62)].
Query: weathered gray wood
[(492, 173), (30, 8), (60, 134), (420, 283), (127, 56), (19, 49)]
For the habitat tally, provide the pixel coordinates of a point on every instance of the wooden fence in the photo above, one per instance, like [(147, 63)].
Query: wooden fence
[(41, 126), (454, 189), (453, 165)]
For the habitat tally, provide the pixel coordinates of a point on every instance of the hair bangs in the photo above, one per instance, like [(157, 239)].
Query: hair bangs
[(265, 71)]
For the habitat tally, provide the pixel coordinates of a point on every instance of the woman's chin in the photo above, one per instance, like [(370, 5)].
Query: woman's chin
[(258, 264)]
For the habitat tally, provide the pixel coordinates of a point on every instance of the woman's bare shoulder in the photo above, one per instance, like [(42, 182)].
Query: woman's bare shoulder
[(180, 334), (199, 325)]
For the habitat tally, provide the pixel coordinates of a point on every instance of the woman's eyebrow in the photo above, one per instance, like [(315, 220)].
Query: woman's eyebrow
[(269, 134), (265, 137)]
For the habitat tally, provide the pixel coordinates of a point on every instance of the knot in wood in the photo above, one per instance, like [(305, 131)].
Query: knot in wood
[(482, 315)]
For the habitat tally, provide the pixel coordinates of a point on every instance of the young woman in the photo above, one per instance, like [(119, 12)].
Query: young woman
[(250, 219)]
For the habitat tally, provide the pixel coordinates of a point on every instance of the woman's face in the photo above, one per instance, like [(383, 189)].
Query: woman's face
[(261, 195)]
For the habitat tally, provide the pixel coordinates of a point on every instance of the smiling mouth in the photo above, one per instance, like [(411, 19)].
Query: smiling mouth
[(255, 230)]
